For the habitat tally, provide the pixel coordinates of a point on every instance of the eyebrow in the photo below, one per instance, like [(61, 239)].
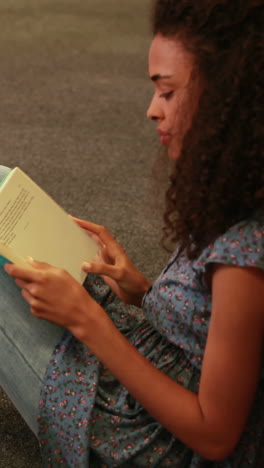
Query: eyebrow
[(159, 77)]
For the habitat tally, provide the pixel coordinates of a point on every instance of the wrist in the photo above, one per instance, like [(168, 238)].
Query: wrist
[(145, 284), (95, 325), (101, 335)]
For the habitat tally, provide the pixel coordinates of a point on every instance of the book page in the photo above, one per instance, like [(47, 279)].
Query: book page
[(12, 213), (33, 224)]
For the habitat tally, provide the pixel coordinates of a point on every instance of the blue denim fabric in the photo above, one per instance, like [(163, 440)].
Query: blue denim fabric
[(26, 344)]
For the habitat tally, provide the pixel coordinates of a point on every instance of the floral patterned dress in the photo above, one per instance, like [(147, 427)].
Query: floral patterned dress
[(88, 419)]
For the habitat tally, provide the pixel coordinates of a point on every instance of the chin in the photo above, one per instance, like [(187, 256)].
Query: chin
[(174, 150), (173, 155)]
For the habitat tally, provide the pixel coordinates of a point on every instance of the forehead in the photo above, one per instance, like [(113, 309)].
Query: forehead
[(168, 56)]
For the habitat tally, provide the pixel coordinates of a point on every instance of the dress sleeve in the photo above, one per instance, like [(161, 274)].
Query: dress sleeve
[(241, 245)]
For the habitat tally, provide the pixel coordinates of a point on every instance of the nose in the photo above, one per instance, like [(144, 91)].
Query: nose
[(154, 111)]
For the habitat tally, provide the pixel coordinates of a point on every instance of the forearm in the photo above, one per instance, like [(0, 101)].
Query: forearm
[(175, 407)]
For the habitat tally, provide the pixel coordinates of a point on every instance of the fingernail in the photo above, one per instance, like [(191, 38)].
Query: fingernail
[(86, 265), (7, 266), (30, 259)]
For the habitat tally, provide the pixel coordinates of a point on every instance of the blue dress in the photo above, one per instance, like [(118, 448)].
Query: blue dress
[(88, 419)]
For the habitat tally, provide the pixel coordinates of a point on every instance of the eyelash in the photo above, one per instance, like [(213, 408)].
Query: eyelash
[(167, 96)]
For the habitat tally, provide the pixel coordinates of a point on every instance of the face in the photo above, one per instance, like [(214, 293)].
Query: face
[(177, 91)]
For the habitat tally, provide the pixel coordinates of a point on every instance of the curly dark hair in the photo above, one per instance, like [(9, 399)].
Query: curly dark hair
[(218, 179)]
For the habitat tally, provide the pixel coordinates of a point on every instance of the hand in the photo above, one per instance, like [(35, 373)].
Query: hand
[(115, 267), (54, 295)]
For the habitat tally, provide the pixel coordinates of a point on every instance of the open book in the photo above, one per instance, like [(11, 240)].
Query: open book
[(33, 224)]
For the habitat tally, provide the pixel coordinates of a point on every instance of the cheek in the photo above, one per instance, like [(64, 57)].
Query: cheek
[(179, 122), (176, 111), (181, 112)]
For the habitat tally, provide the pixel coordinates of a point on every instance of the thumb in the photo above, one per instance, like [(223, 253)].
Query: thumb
[(36, 264), (101, 269)]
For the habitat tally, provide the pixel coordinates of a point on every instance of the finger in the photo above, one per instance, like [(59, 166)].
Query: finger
[(32, 288), (42, 315), (103, 234), (36, 264), (37, 313), (23, 273), (96, 239), (21, 283), (105, 255), (88, 225), (31, 300), (103, 269)]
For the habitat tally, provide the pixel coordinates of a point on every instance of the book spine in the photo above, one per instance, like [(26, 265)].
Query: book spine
[(4, 172), (3, 260)]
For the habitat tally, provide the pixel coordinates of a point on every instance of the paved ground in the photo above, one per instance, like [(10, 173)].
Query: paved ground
[(73, 97)]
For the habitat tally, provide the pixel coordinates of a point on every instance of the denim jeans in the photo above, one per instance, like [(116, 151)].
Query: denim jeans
[(26, 344)]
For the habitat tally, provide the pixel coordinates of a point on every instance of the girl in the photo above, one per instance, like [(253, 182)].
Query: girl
[(182, 386)]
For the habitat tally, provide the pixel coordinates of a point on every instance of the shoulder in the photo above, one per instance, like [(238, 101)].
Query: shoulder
[(241, 245), (236, 268)]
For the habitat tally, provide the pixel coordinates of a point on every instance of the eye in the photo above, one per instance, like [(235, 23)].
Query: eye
[(167, 95)]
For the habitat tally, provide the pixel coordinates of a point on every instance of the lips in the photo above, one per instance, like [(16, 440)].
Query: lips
[(164, 137)]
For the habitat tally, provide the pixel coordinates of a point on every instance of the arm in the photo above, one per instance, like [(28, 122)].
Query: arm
[(227, 388), (230, 370)]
